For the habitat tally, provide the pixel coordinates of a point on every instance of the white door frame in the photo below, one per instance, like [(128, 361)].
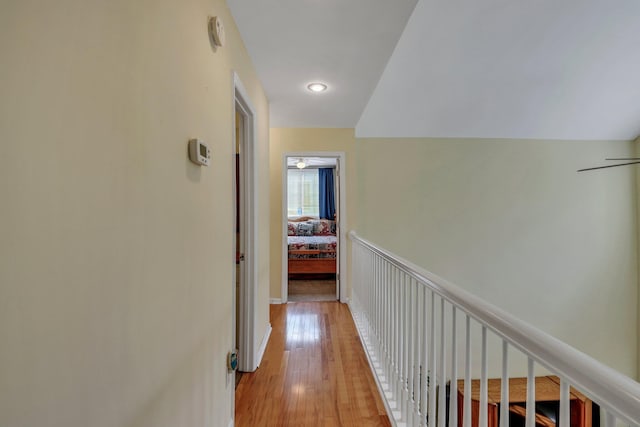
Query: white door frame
[(342, 220), (248, 359)]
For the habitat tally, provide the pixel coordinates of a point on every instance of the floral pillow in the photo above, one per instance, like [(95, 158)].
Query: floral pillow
[(322, 227), (291, 228), (305, 229)]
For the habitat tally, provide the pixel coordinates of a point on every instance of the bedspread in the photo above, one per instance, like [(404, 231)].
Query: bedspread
[(325, 245)]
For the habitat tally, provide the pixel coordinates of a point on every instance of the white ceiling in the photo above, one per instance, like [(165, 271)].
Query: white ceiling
[(344, 43), (312, 161), (545, 69)]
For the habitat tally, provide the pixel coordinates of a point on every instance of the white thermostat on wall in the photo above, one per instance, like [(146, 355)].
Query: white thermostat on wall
[(199, 153)]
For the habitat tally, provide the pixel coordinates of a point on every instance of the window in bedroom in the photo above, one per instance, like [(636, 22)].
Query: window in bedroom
[(303, 196)]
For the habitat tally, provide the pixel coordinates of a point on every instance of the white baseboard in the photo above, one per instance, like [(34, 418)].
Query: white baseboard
[(231, 422), (390, 405), (263, 345), (275, 301)]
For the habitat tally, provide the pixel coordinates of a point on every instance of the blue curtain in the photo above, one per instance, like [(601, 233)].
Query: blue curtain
[(327, 193)]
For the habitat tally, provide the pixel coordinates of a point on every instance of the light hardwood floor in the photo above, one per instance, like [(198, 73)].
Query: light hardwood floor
[(314, 373), (312, 290)]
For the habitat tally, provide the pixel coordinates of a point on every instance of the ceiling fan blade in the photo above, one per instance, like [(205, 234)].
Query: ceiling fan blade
[(610, 166), (626, 158)]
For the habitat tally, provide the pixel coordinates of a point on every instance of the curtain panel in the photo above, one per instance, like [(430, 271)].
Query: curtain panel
[(327, 193)]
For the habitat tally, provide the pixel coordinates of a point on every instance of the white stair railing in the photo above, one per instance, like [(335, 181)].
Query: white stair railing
[(423, 336)]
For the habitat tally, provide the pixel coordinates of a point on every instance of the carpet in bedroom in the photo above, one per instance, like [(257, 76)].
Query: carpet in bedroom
[(312, 290)]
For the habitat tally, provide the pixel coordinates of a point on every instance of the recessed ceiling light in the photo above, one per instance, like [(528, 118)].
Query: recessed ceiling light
[(317, 87)]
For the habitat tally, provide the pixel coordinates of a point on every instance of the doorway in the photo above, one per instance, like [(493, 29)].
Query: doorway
[(313, 217), (240, 231), (244, 241)]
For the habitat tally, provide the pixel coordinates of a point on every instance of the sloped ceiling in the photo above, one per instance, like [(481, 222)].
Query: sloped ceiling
[(543, 69), (511, 69)]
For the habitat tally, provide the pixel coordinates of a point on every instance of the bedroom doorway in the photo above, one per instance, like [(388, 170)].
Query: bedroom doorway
[(313, 216)]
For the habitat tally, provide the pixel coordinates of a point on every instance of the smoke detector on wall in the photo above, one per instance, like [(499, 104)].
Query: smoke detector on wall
[(216, 30)]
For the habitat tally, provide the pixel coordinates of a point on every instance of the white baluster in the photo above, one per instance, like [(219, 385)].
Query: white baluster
[(504, 386), (362, 291), (483, 381), (442, 369), (565, 404), (610, 419), (380, 312), (431, 373), (530, 420), (424, 363), (368, 293), (398, 336), (409, 348), (392, 333), (370, 298), (453, 389), (467, 375), (405, 350), (387, 324), (376, 307), (416, 352)]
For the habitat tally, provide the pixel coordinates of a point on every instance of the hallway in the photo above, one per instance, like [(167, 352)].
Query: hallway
[(314, 373)]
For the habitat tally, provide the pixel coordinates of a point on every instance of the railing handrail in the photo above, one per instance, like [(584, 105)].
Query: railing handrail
[(604, 385)]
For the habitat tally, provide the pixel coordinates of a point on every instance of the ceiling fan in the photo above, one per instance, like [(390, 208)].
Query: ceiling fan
[(637, 160)]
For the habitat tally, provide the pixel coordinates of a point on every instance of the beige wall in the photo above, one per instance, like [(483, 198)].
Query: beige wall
[(116, 251), (299, 140), (512, 222)]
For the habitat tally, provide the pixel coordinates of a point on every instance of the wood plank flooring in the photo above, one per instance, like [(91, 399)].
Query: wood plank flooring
[(314, 373), (312, 290)]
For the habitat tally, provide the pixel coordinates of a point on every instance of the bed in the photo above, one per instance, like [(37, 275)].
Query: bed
[(312, 245)]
